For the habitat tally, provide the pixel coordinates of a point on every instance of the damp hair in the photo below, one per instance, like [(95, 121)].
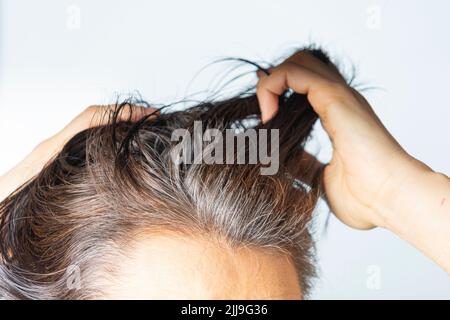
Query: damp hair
[(111, 181)]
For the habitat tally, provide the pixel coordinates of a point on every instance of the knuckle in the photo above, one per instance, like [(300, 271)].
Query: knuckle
[(288, 65), (338, 88), (301, 55), (287, 68)]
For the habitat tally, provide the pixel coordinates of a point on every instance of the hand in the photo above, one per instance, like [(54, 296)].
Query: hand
[(368, 166), (91, 117)]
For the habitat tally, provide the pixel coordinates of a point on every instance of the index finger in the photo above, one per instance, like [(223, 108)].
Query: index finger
[(287, 75)]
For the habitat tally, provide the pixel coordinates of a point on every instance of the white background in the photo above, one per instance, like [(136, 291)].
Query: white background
[(57, 57)]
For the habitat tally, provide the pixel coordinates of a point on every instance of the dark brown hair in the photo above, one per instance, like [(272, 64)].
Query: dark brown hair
[(111, 181)]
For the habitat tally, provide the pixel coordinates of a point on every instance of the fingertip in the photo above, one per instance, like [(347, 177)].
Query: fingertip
[(268, 105), (260, 74), (266, 117)]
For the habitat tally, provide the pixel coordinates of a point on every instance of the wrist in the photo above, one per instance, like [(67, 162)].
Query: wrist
[(29, 167), (39, 157), (415, 192), (401, 191), (420, 213)]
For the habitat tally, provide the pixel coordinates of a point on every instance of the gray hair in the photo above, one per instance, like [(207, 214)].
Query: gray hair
[(112, 181)]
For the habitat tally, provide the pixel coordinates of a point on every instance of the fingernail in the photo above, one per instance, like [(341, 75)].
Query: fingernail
[(260, 74)]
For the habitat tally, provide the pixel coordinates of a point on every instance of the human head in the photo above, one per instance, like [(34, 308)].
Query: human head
[(113, 208)]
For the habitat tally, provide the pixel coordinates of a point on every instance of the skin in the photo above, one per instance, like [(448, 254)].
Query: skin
[(211, 269), (370, 182), (92, 116)]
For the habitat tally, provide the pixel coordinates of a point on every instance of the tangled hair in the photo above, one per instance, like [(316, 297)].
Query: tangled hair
[(111, 181)]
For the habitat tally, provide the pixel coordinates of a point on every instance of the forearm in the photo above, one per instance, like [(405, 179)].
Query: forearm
[(420, 214), (27, 168), (91, 117)]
